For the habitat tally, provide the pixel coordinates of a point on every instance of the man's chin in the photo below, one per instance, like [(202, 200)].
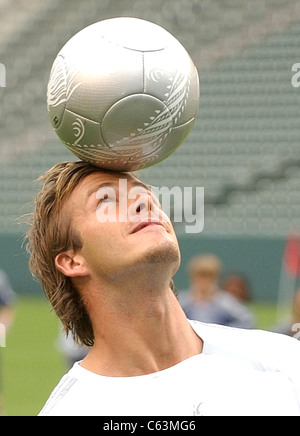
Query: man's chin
[(165, 252), (153, 263)]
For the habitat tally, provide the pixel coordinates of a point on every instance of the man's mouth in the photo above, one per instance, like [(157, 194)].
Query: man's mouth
[(144, 224)]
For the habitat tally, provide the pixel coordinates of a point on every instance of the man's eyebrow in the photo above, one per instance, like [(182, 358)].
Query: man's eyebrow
[(116, 184), (96, 188), (141, 184)]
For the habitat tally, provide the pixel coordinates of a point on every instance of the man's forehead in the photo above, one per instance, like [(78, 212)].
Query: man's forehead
[(109, 176), (94, 181)]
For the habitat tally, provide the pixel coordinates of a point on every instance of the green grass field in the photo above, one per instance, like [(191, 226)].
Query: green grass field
[(31, 364)]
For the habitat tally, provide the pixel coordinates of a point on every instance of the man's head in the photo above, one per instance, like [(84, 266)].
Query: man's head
[(204, 271), (86, 229)]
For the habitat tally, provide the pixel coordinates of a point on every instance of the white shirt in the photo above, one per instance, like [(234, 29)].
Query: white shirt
[(239, 372)]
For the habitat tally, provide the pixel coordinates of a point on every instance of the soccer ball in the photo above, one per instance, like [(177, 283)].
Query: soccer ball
[(123, 94)]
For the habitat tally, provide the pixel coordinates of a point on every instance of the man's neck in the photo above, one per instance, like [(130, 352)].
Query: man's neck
[(148, 335)]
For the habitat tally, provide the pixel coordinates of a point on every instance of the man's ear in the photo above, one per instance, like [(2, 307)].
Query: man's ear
[(71, 264)]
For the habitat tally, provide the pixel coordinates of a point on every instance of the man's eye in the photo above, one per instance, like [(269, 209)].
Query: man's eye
[(105, 199)]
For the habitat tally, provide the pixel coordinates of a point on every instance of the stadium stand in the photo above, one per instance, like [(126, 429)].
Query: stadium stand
[(247, 125)]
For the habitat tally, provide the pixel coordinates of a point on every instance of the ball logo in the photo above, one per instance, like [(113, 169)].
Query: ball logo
[(61, 85), (155, 75), (78, 129), (160, 123)]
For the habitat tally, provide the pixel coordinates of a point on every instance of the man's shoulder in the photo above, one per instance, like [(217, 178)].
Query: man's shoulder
[(60, 401), (260, 349)]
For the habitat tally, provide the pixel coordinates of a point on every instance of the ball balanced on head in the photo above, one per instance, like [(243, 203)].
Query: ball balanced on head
[(123, 94)]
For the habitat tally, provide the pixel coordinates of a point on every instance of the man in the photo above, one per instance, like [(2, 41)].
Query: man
[(206, 302), (109, 280)]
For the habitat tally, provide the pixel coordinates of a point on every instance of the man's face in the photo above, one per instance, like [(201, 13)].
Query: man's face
[(204, 283), (121, 225)]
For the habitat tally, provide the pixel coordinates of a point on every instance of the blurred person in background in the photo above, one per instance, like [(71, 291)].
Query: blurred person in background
[(206, 302), (7, 300), (70, 350), (7, 313), (291, 325), (238, 285)]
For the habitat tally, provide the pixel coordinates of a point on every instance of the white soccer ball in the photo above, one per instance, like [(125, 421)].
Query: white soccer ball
[(123, 94)]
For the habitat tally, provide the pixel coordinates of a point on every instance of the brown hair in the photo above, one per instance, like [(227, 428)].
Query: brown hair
[(49, 234)]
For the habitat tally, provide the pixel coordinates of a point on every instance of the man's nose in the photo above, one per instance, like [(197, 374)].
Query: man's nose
[(143, 204)]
